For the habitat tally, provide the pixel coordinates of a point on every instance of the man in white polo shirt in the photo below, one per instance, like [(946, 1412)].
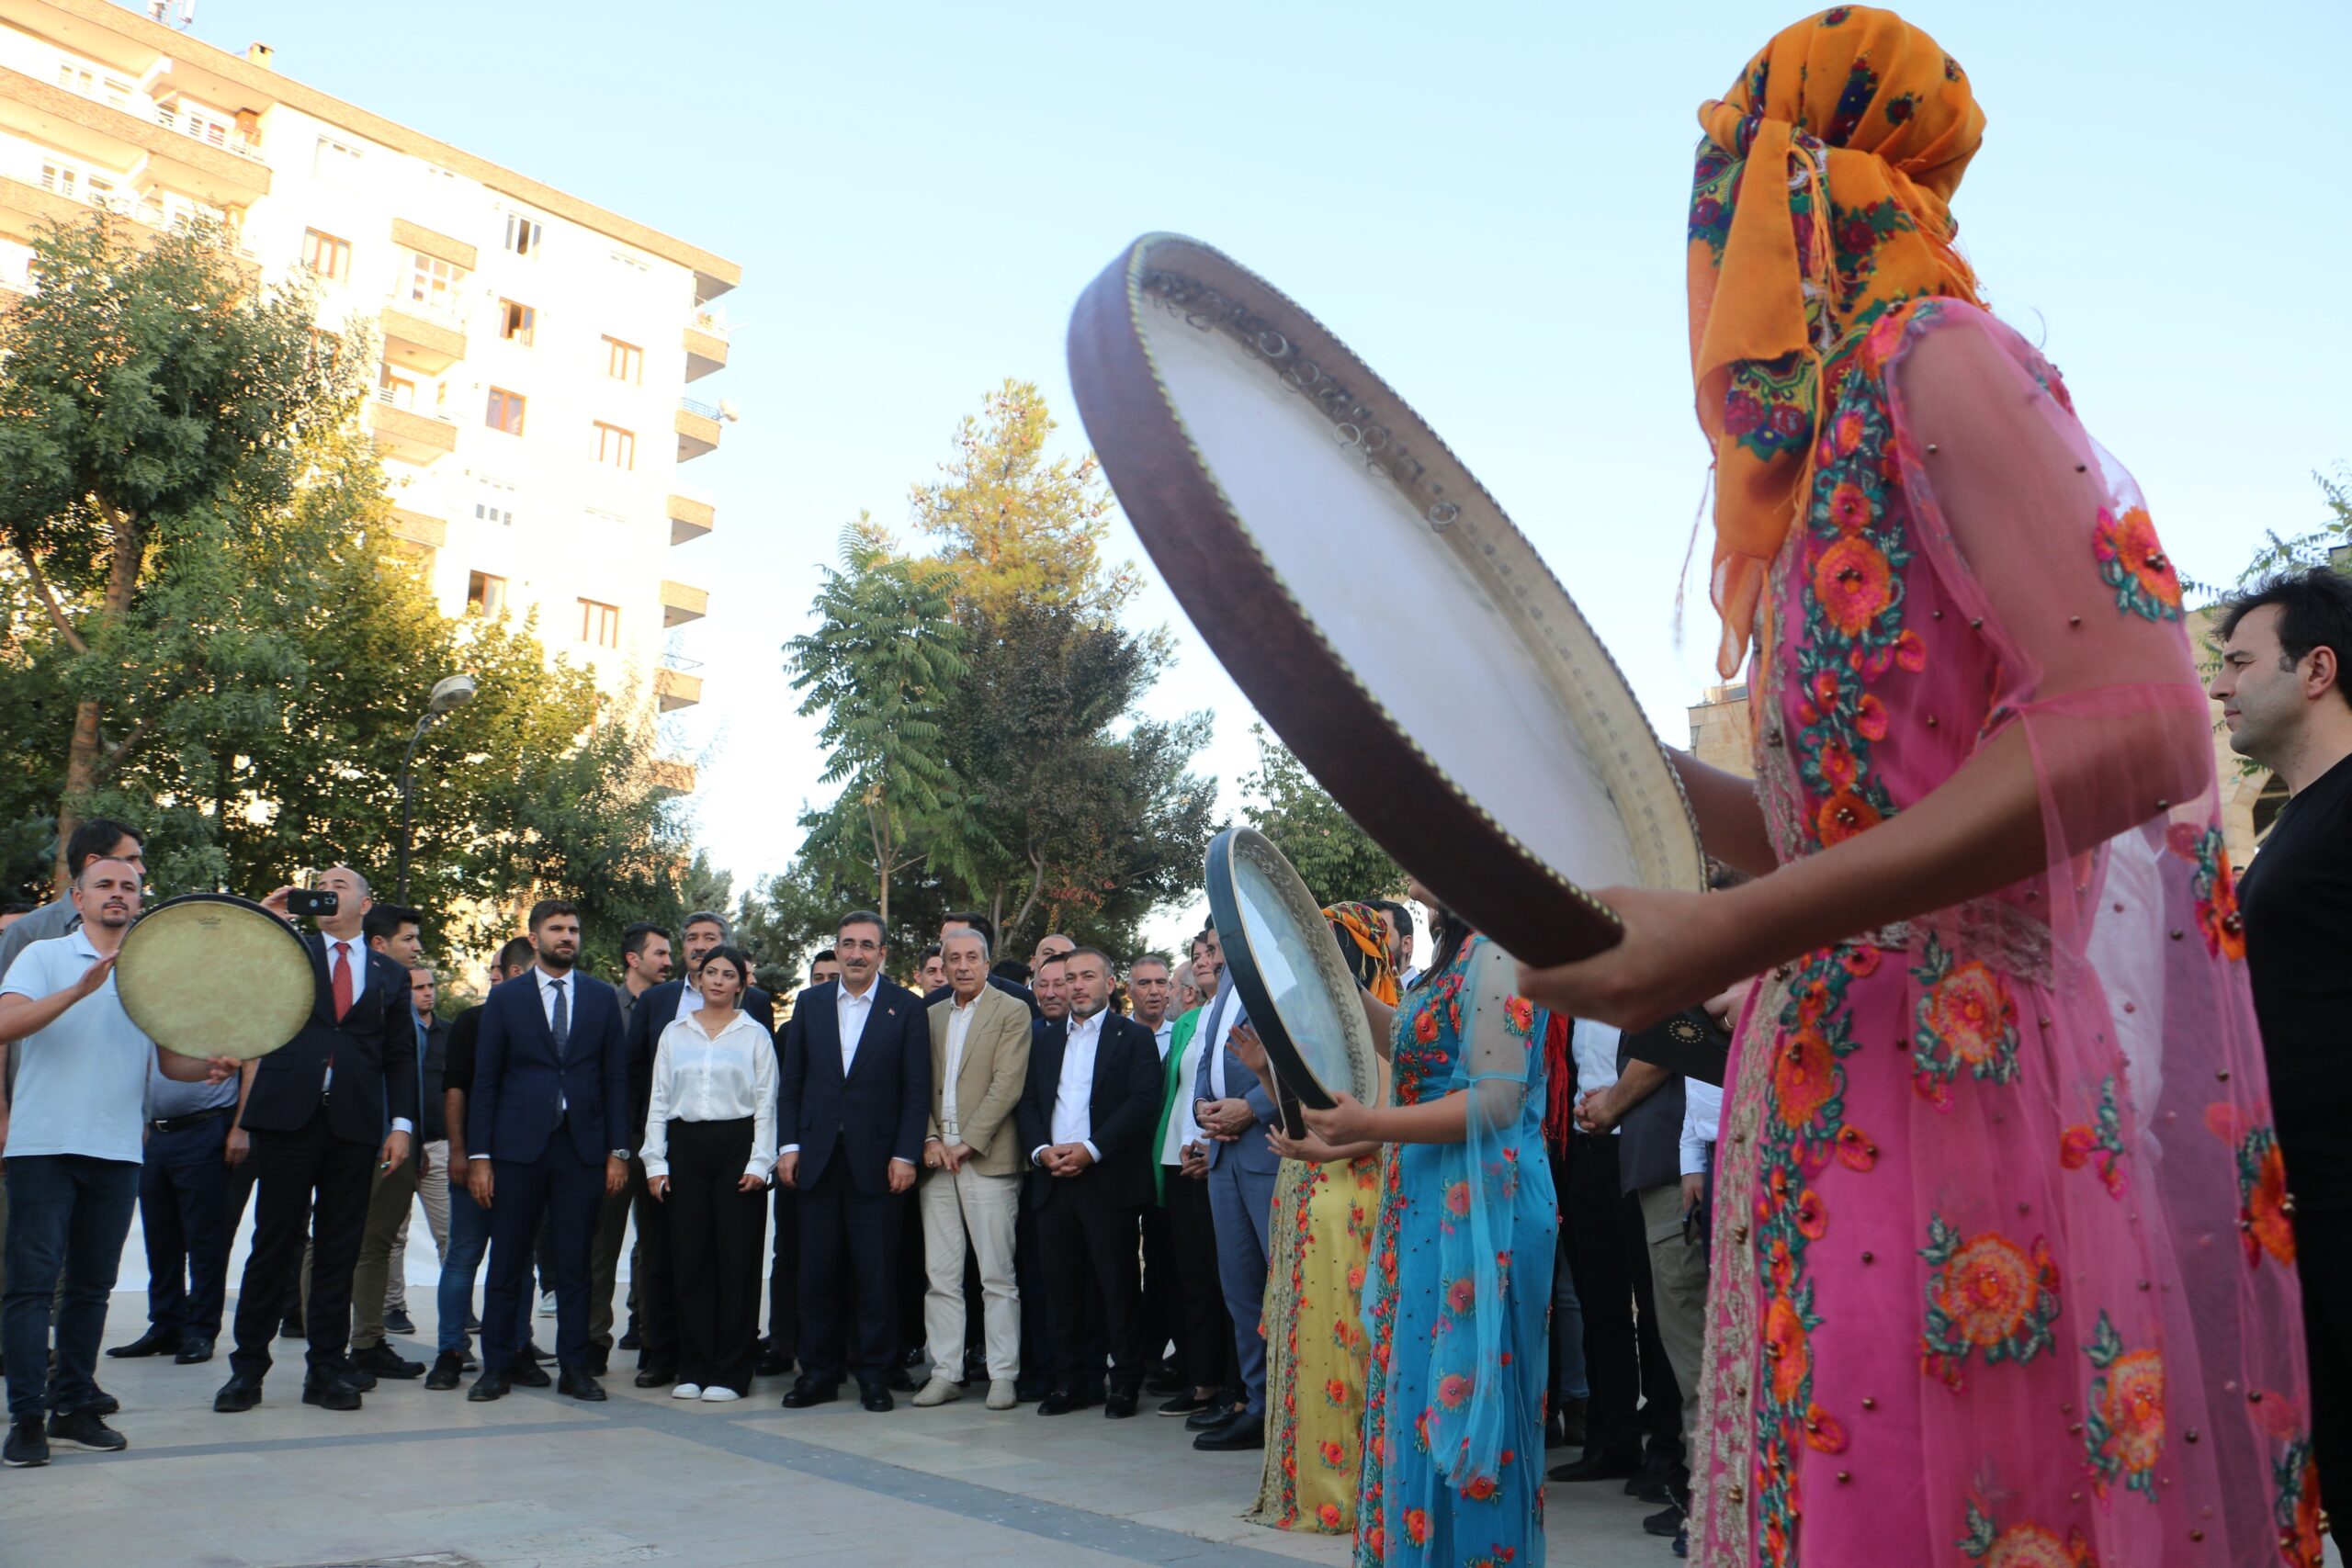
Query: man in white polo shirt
[(70, 1150)]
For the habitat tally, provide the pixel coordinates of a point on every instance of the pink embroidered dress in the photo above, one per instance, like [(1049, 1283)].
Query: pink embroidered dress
[(2004, 1271)]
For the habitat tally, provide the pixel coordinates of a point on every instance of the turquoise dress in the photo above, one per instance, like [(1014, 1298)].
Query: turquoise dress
[(1459, 1295)]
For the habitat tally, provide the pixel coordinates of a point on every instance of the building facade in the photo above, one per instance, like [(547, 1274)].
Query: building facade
[(533, 408)]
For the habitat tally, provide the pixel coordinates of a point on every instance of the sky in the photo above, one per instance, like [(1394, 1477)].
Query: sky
[(1487, 201)]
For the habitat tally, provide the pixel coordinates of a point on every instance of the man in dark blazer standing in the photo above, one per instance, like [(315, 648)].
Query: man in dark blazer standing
[(855, 1099), (1087, 1119), (657, 1360), (325, 1111), (546, 1129)]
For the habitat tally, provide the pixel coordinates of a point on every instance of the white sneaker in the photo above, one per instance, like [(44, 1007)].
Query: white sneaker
[(717, 1393), (938, 1390), (547, 1304), (1000, 1395), (685, 1391)]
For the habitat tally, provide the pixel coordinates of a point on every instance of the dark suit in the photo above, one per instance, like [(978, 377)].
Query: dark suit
[(848, 1128), (657, 1307), (547, 1113), (315, 1145), (1086, 1224)]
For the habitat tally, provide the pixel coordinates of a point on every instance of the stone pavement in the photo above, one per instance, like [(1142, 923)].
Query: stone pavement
[(429, 1481)]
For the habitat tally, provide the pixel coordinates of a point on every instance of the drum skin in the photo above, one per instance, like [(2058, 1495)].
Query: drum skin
[(213, 974), (1299, 994)]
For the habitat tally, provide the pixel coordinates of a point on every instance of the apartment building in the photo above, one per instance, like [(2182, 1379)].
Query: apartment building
[(532, 409)]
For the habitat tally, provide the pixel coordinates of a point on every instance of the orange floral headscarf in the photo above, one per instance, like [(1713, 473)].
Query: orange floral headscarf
[(1365, 946), (1862, 126)]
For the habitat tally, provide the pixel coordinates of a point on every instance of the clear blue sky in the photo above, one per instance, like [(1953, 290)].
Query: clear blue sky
[(1487, 200)]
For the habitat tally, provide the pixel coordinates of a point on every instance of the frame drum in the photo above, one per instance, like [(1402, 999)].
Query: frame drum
[(214, 974)]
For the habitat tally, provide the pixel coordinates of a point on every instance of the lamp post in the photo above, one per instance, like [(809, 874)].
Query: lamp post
[(449, 692)]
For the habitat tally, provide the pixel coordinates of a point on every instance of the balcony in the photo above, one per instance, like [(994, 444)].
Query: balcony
[(706, 344), (411, 436), (681, 604), (672, 777), (24, 208), (697, 427), (410, 236), (421, 336), (228, 174), (691, 517), (674, 688), (418, 532)]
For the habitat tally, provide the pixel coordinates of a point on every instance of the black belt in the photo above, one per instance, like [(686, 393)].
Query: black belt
[(181, 1123)]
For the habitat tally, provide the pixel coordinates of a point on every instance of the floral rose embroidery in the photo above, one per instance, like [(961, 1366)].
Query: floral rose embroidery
[(1986, 1294), (2124, 1423), (2099, 1142), (1966, 1022), (2131, 560), (2021, 1545), (1853, 583)]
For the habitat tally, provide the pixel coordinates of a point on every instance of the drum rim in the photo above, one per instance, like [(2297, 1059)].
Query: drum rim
[(1272, 650), (131, 1007), (1240, 958)]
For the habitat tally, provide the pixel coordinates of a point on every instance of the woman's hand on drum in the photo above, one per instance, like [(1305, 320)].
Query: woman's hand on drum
[(1676, 952), (1311, 1149), (1349, 1121)]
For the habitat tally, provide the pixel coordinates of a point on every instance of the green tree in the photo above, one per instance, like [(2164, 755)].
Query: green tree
[(152, 405), (1335, 858), (2314, 546)]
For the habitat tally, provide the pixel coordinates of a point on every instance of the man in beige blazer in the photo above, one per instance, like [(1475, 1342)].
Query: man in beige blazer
[(972, 1169)]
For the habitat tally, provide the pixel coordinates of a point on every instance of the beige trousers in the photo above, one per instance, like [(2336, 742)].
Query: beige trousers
[(956, 1204), (1679, 1283)]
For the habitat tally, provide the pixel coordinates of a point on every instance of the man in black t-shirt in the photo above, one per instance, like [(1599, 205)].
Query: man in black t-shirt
[(2286, 695)]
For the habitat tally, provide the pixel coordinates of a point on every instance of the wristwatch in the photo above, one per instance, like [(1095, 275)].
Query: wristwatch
[(621, 1155)]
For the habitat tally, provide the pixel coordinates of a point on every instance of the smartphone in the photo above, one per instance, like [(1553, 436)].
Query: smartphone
[(309, 904)]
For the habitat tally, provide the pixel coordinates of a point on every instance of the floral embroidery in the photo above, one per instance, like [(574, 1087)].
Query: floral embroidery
[(1987, 1293), (2023, 1545), (2214, 886), (2123, 1423), (1966, 1021), (1711, 198), (2266, 1218), (2099, 1141), (2133, 561), (2297, 1510)]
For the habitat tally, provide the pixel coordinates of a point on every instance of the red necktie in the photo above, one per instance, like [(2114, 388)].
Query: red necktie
[(341, 981)]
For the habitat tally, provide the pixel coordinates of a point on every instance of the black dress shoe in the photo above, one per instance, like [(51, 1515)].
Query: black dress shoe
[(84, 1430), (1598, 1465), (655, 1377), (1573, 1413), (1666, 1523), (1187, 1404), (447, 1367), (330, 1391), (489, 1386), (1028, 1391), (382, 1360), (632, 1340), (1215, 1414), (1061, 1402), (1242, 1432), (773, 1363), (1163, 1382), (154, 1342), (355, 1375), (241, 1392), (194, 1347), (292, 1327), (103, 1404), (529, 1375), (804, 1394), (398, 1322), (903, 1380), (877, 1399), (578, 1383), (1120, 1404)]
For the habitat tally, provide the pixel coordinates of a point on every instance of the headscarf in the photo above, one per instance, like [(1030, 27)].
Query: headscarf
[(1363, 945), (1858, 112)]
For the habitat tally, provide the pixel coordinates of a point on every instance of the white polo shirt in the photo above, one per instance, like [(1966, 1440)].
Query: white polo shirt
[(82, 1082)]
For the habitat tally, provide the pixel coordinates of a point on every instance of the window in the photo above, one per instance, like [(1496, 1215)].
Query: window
[(600, 624), (326, 255), (433, 282), (332, 159), (396, 390), (623, 361), (616, 446), (517, 323), (485, 594), (497, 504), (522, 236), (506, 410), (61, 179)]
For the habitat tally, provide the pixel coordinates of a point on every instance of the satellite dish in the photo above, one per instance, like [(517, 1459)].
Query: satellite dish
[(728, 410)]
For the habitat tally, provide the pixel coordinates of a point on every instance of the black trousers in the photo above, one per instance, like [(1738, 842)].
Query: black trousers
[(1087, 1238), (849, 1247), (184, 1219), (784, 1276), (1633, 1391), (716, 1229), (1163, 1293), (2324, 1257), (1205, 1330), (653, 1287), (298, 1175), (569, 1190)]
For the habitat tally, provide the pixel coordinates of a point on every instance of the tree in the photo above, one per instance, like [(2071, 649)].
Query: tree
[(878, 666), (2314, 546), (1336, 858), (153, 406)]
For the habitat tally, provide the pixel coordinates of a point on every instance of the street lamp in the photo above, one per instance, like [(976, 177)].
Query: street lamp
[(449, 692)]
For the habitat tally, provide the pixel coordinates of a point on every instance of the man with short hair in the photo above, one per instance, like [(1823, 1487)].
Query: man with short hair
[(1396, 924), (2285, 687), (69, 1141), (851, 1109), (934, 973), (973, 920), (645, 963), (1053, 944), (316, 1110), (1233, 1110), (433, 1167), (1205, 1337), (396, 932), (971, 1182), (1151, 988), (548, 1128), (1048, 980), (825, 967), (1087, 1117)]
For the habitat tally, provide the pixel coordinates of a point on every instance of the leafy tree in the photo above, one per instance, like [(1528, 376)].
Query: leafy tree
[(2315, 547), (1335, 858), (153, 406)]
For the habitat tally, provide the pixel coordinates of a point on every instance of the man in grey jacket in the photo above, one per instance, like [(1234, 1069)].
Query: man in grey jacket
[(1235, 1110)]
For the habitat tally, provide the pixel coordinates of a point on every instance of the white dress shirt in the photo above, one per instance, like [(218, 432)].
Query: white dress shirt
[(1182, 1129), (1160, 1037), (1074, 1096), (1225, 1014), (959, 1029), (1594, 1046), (701, 1078), (1703, 1105), (851, 1009)]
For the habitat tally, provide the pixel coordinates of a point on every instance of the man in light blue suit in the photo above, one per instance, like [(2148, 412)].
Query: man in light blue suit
[(1235, 1110)]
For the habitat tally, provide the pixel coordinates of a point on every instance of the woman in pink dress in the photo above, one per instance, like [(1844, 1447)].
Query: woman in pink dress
[(2004, 1272)]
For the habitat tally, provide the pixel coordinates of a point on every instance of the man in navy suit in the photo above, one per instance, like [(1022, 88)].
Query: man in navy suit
[(1235, 1110), (657, 1360), (1088, 1117), (851, 1110), (547, 1129), (325, 1111)]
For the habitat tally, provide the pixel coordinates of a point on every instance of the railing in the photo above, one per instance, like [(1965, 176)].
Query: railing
[(712, 321), (706, 410), (390, 398), (447, 311), (681, 663), (209, 131)]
